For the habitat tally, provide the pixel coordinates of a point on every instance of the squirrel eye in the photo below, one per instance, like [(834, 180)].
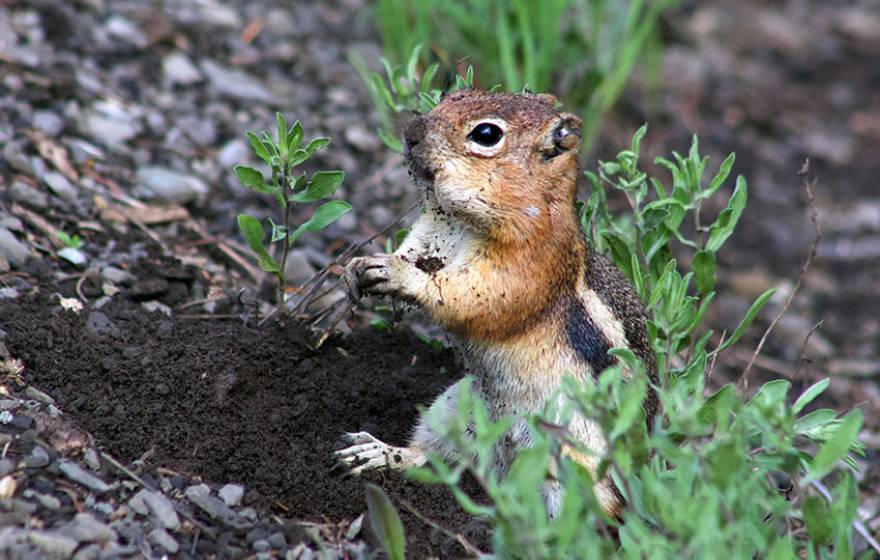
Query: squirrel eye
[(486, 134)]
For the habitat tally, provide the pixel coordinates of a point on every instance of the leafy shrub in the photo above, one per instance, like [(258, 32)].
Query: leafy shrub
[(283, 155), (714, 474), (585, 49)]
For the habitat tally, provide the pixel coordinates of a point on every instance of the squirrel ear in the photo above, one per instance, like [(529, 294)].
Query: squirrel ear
[(568, 133), (547, 99)]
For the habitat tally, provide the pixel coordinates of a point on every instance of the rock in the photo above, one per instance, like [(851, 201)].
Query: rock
[(149, 502), (32, 392), (52, 543), (277, 540), (90, 552), (37, 458), (7, 487), (85, 528), (298, 269), (60, 185), (235, 83), (11, 223), (213, 506), (12, 538), (232, 153), (148, 289), (362, 139), (47, 501), (161, 538), (231, 494), (201, 131), (100, 325), (47, 122), (6, 466), (154, 306), (170, 185), (177, 68), (14, 155), (121, 28), (73, 256), (22, 422), (261, 545), (111, 122), (117, 275), (77, 474), (23, 192), (12, 249)]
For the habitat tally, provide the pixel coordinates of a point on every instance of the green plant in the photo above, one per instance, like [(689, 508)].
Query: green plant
[(583, 50), (404, 90), (283, 155), (715, 472), (70, 241)]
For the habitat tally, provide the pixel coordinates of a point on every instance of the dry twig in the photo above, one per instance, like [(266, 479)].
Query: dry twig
[(808, 187), (465, 544)]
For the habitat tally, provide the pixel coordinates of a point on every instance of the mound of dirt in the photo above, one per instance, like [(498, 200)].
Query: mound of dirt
[(228, 402)]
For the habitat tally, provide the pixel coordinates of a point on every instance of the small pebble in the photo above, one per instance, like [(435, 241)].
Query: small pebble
[(38, 458), (231, 494), (85, 528), (79, 475), (160, 537)]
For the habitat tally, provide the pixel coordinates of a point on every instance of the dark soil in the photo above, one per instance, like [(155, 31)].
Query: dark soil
[(233, 403)]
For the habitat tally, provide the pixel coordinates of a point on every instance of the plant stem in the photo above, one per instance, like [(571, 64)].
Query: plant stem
[(285, 245)]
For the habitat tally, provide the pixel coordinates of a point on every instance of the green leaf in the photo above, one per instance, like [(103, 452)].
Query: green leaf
[(812, 424), (294, 137), (253, 179), (317, 144), (782, 550), (717, 405), (380, 88), (253, 233), (720, 177), (817, 519), (727, 220), (704, 271), (390, 140), (809, 395), (322, 185), (297, 157), (282, 132), (385, 522), (258, 147), (325, 215), (836, 448), (747, 320), (771, 393), (630, 406)]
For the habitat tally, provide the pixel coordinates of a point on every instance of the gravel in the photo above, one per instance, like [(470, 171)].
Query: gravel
[(79, 475)]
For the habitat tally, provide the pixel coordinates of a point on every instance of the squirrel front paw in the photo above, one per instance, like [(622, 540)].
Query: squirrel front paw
[(380, 275)]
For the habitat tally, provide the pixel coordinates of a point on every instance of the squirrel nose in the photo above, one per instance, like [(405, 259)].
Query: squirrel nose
[(413, 134)]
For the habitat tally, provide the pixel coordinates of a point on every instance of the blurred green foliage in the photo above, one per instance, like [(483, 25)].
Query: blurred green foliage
[(581, 50)]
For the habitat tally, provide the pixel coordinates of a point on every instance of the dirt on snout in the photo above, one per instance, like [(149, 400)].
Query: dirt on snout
[(232, 403)]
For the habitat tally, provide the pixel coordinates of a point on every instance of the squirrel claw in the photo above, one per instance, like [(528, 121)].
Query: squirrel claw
[(364, 452)]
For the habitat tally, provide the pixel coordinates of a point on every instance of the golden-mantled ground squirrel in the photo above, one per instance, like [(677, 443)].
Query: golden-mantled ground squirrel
[(499, 259)]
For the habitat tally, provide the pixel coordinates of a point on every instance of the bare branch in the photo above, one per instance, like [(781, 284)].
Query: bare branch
[(814, 218)]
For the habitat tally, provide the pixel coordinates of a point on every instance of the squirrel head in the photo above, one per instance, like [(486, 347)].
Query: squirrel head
[(496, 160)]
